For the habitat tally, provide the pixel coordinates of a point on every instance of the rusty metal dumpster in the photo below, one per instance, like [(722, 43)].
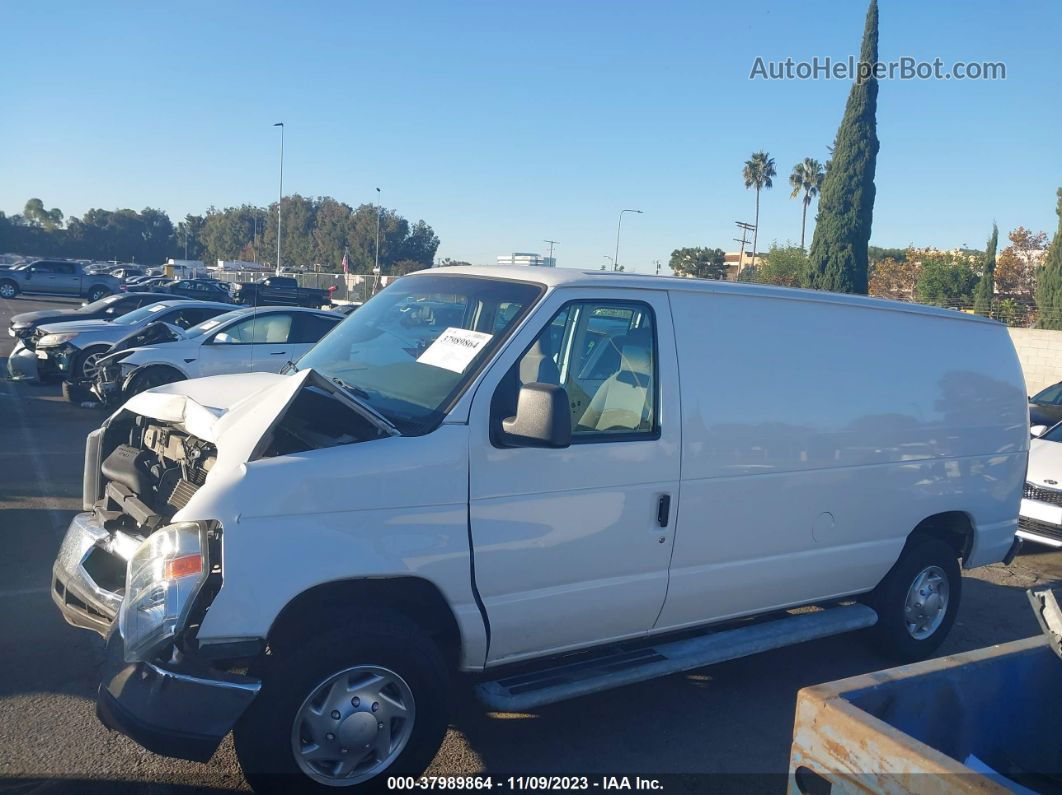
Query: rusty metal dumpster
[(985, 721)]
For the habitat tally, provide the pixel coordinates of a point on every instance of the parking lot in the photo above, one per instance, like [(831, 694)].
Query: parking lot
[(732, 720)]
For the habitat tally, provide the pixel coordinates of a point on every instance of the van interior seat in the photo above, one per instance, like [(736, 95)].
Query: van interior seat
[(538, 365), (624, 399)]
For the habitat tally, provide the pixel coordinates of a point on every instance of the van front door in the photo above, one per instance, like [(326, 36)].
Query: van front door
[(572, 546)]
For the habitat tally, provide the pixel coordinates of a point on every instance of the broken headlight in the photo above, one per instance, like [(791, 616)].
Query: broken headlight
[(161, 582)]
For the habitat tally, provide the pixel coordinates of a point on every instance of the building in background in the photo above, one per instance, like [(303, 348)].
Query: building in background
[(738, 261), (532, 260)]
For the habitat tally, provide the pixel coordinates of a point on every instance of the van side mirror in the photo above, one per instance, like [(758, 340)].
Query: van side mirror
[(543, 417)]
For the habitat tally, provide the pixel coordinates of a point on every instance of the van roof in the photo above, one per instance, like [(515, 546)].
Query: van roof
[(572, 277)]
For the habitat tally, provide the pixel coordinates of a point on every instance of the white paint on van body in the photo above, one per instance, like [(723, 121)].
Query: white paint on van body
[(776, 406)]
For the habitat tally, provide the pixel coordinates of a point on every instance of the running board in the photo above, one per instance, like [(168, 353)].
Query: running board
[(525, 691)]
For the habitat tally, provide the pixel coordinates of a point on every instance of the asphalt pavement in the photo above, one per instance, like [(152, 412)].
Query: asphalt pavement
[(732, 720)]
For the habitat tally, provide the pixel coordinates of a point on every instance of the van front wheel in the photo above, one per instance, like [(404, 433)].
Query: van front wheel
[(917, 601), (348, 709)]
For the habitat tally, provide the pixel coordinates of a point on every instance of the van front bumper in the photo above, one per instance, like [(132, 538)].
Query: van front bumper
[(181, 708)]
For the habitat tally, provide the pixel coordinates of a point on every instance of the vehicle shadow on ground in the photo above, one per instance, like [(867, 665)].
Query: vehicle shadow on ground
[(730, 723), (54, 786)]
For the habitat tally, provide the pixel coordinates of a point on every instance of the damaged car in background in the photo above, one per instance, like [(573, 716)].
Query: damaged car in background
[(244, 340), (22, 363), (70, 350)]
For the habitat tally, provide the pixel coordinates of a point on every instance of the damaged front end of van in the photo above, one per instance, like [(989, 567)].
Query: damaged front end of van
[(143, 562)]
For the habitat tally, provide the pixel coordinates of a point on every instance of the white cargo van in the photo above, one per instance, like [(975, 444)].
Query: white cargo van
[(488, 470)]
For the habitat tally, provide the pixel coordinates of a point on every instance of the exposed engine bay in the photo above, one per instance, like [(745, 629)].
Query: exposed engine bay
[(150, 473)]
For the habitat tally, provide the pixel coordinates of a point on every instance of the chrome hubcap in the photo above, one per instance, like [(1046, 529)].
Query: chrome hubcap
[(7, 291), (927, 602), (353, 725)]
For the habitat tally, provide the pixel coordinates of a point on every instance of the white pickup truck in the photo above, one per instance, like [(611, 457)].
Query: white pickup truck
[(554, 482)]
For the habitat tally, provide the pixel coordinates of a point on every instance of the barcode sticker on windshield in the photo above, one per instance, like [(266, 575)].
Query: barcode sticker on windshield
[(454, 349)]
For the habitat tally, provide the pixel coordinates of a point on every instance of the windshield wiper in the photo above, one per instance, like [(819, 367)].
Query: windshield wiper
[(363, 398), (289, 367)]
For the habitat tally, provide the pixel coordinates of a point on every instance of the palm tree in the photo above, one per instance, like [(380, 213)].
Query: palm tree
[(807, 176), (757, 173)]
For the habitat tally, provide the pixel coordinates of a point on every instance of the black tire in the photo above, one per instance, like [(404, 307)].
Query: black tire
[(77, 393), (96, 293), (77, 368), (149, 378), (378, 638), (8, 289), (891, 635)]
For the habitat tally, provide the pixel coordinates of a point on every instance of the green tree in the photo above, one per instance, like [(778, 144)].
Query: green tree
[(986, 287), (757, 174), (783, 266), (807, 176), (1049, 285), (945, 281), (837, 260), (188, 235), (877, 254), (700, 263), (35, 215)]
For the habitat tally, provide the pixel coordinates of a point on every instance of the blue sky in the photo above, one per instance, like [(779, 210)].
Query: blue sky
[(502, 124)]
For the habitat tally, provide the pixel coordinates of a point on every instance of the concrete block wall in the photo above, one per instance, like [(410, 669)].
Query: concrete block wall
[(1040, 353)]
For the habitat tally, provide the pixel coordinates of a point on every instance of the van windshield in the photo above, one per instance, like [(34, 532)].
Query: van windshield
[(411, 350)]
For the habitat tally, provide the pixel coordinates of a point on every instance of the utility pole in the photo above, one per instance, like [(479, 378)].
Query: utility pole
[(280, 201), (552, 243), (745, 228), (657, 267)]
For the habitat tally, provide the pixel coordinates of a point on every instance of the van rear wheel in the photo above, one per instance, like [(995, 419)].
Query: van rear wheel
[(917, 601), (346, 710)]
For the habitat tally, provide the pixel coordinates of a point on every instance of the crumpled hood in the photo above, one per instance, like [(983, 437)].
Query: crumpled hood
[(1045, 463), (235, 413)]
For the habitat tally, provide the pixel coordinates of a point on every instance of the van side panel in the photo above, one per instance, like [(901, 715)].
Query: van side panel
[(817, 435)]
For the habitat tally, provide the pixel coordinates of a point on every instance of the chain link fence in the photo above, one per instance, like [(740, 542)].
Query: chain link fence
[(344, 287)]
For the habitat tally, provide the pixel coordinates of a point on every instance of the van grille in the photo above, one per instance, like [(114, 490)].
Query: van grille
[(1039, 494)]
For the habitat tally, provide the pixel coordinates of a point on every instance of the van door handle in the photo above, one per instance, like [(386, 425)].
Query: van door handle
[(663, 510)]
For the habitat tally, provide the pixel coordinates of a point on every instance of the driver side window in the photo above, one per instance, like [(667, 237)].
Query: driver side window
[(604, 355), (257, 329)]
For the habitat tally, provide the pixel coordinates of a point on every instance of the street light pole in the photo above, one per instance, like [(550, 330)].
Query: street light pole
[(619, 224), (379, 199), (280, 201)]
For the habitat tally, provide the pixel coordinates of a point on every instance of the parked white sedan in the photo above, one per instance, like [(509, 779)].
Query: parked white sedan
[(1040, 517), (264, 339)]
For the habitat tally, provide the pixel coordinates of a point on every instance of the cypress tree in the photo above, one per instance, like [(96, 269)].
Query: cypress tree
[(1049, 284), (986, 287), (837, 260)]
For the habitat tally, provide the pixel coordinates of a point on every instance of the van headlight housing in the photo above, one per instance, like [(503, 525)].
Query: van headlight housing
[(162, 579)]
